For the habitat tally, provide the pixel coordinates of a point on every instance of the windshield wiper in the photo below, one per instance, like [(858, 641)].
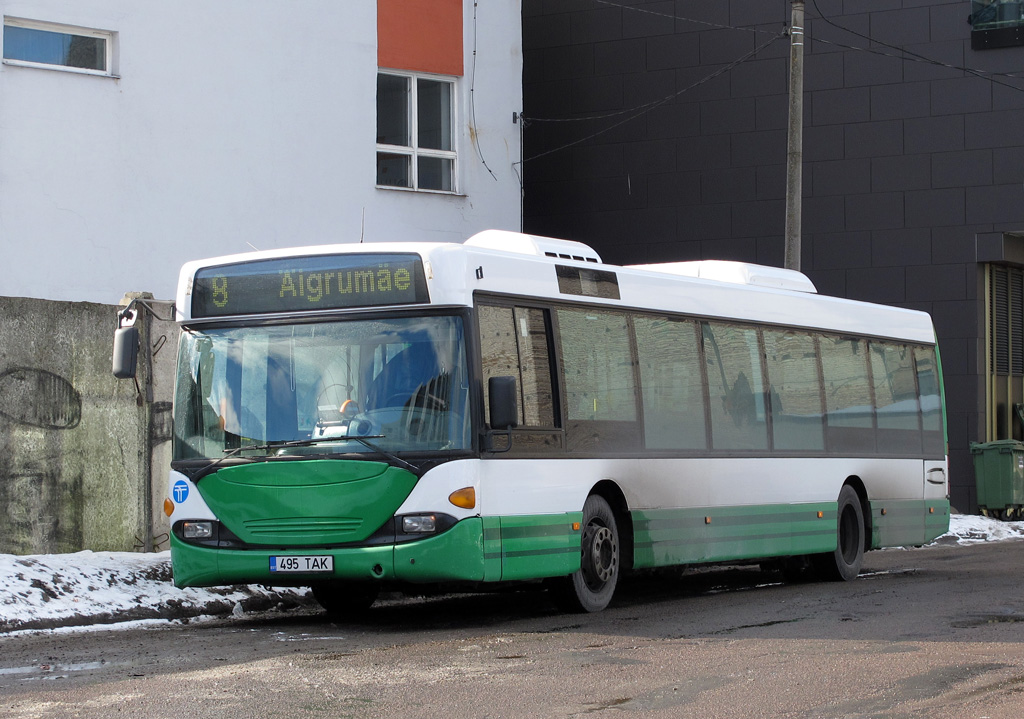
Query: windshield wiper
[(286, 444), (363, 439)]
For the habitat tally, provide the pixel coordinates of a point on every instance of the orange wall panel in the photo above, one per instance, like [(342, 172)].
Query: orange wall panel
[(420, 35)]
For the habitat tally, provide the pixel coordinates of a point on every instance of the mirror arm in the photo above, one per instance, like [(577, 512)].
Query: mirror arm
[(489, 440), (128, 312)]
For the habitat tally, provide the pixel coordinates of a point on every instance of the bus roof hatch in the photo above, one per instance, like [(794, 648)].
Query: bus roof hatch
[(533, 245)]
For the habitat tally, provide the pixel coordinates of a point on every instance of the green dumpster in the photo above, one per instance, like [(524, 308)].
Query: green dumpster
[(999, 478)]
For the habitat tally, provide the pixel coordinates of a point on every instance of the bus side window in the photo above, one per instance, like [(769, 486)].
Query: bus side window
[(535, 365), (736, 390), (848, 406), (599, 381), (896, 404), (931, 401), (514, 341), (672, 386), (798, 421)]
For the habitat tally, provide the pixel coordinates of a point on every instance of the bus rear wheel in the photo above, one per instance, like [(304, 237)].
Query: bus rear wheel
[(844, 563), (590, 589), (341, 599)]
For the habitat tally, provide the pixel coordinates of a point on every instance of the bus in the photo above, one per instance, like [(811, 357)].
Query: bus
[(355, 417)]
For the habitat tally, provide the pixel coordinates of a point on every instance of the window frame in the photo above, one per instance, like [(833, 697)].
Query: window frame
[(108, 36), (413, 151)]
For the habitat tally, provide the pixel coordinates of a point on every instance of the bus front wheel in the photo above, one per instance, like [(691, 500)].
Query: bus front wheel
[(590, 589), (844, 563)]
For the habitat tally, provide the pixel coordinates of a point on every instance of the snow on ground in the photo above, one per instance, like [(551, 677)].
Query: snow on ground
[(968, 529), (53, 590), (93, 588)]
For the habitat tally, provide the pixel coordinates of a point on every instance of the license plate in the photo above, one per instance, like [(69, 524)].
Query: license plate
[(302, 564)]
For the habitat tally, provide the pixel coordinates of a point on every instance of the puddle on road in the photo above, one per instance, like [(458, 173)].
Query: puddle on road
[(284, 637), (53, 671), (984, 620), (771, 623), (884, 572)]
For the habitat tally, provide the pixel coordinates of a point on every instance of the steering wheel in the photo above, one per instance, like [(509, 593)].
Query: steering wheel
[(417, 400)]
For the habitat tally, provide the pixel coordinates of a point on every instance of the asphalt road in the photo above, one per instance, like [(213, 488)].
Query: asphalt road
[(935, 632)]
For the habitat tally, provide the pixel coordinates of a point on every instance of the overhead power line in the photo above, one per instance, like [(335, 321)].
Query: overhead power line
[(673, 16), (909, 55), (635, 112), (905, 54), (893, 51)]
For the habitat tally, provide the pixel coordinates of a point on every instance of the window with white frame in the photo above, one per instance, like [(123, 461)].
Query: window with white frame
[(33, 43), (415, 143)]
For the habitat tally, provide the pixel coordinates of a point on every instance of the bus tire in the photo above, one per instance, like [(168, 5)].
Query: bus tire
[(590, 588), (844, 563), (345, 599)]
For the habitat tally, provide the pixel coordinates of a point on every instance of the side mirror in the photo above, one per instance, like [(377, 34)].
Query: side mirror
[(502, 403), (126, 352)]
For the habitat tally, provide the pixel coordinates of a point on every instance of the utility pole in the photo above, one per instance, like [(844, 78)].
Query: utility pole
[(795, 156)]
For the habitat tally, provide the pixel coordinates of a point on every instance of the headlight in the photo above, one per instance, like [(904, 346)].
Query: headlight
[(419, 524), (197, 530)]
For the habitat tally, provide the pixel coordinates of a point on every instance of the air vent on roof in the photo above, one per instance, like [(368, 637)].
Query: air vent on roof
[(741, 273), (533, 245)]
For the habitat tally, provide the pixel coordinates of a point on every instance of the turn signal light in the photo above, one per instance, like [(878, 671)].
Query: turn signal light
[(168, 507), (464, 498)]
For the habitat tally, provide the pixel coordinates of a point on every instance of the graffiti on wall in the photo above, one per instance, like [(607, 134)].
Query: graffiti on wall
[(38, 398), (41, 495)]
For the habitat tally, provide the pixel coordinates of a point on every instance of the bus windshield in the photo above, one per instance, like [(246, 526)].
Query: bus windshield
[(400, 380)]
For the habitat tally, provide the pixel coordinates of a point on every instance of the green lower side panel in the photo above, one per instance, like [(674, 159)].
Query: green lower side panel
[(530, 547), (907, 523), (665, 537), (534, 546)]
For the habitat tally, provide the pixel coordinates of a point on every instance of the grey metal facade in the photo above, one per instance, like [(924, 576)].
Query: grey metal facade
[(913, 153)]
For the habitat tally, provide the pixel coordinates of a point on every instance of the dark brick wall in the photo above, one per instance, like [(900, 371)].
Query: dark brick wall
[(905, 162)]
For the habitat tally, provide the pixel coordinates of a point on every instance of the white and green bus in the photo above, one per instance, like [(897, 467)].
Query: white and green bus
[(358, 416)]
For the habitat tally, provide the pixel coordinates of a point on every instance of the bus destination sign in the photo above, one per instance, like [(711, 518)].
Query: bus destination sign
[(316, 282)]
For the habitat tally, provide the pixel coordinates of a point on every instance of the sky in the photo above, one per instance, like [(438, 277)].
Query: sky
[(101, 590)]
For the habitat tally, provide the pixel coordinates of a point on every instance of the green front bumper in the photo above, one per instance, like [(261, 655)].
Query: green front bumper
[(456, 555)]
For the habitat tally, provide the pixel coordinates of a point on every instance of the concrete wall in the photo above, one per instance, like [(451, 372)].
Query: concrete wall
[(76, 470), (907, 165), (231, 125)]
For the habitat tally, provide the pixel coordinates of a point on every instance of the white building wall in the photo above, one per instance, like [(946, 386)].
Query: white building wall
[(233, 124)]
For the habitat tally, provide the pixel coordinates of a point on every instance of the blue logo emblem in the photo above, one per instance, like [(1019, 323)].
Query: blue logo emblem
[(180, 491)]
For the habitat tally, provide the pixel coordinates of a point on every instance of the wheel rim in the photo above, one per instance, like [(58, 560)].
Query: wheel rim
[(600, 555)]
